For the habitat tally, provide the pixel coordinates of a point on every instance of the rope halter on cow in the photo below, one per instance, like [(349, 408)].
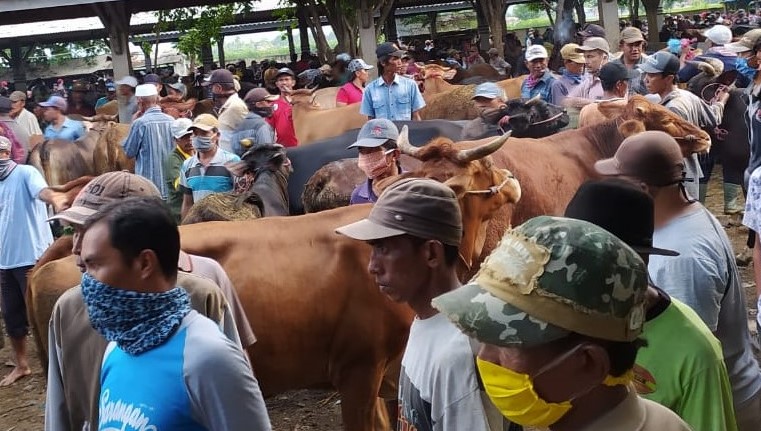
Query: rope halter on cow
[(493, 190)]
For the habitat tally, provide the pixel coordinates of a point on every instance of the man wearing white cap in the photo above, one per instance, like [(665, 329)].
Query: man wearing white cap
[(125, 94), (150, 138), (540, 78), (717, 36), (183, 150)]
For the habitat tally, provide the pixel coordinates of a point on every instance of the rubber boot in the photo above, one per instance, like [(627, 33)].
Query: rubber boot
[(703, 191), (732, 194)]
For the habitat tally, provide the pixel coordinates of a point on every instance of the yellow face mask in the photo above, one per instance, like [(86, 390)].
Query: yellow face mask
[(514, 395)]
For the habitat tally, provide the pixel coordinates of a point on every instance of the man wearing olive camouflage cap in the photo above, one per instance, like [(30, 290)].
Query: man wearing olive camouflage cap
[(558, 308)]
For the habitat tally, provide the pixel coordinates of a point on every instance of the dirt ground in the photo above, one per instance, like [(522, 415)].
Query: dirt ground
[(22, 406)]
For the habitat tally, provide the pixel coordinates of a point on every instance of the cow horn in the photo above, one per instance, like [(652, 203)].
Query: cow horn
[(534, 100), (706, 68), (484, 150), (403, 143)]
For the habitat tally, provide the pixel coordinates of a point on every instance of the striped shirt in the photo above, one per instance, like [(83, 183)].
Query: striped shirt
[(201, 181), (149, 142)]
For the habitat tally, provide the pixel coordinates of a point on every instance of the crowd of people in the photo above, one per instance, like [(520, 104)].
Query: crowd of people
[(627, 313)]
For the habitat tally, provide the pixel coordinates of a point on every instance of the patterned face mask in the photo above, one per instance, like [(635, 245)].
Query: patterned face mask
[(136, 321)]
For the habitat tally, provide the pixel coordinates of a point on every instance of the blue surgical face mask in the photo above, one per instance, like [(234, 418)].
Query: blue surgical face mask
[(202, 144), (741, 64)]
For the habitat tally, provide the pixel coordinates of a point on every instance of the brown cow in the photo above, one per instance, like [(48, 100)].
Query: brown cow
[(354, 334), (326, 97), (108, 154), (312, 122)]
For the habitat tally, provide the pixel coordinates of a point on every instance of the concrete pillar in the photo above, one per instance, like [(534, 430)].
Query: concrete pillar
[(390, 28), (115, 17), (221, 50), (609, 21), (291, 45), (303, 30), (367, 41)]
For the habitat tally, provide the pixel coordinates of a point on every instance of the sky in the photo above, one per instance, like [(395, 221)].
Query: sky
[(60, 26)]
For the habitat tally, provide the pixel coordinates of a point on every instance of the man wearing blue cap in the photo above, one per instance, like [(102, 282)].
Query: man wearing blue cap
[(110, 95), (378, 157), (391, 96), (60, 126)]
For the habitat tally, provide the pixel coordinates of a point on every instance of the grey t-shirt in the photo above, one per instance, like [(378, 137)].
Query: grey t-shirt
[(705, 277)]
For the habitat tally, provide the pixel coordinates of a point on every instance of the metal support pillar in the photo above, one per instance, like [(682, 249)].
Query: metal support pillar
[(483, 30), (206, 57), (18, 65), (392, 34), (115, 17), (291, 45), (221, 51)]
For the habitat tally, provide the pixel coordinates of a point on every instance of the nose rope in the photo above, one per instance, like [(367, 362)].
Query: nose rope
[(493, 190)]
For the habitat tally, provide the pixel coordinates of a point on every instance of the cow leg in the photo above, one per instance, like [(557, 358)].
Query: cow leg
[(360, 405)]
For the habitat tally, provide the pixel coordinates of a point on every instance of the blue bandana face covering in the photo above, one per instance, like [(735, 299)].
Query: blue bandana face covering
[(576, 79), (741, 64), (136, 321)]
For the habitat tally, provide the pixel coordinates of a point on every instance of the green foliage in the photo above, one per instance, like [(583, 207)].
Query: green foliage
[(200, 25), (56, 53)]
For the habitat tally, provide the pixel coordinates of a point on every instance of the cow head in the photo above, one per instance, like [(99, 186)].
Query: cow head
[(711, 78), (258, 159), (639, 114), (532, 118), (480, 187)]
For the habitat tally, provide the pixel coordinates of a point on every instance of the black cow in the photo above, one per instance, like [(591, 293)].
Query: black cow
[(307, 159), (533, 118)]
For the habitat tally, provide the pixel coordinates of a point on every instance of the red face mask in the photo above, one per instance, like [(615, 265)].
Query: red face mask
[(373, 164)]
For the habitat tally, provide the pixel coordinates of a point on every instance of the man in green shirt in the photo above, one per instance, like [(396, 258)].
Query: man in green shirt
[(182, 151), (682, 366)]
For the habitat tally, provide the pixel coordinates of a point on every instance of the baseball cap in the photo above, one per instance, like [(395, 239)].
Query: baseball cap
[(492, 51), (181, 127), (631, 35), (719, 34), (660, 62), (375, 133), (614, 72), (594, 43), (5, 105), (358, 64), (128, 80), (146, 90), (219, 76), (621, 208), (179, 86), (488, 90), (284, 71), (257, 95), (548, 278), (151, 78), (535, 51), (205, 122), (592, 30), (654, 157), (747, 42), (568, 52), (80, 85), (104, 189), (345, 57), (388, 49), (420, 207), (5, 144), (55, 102), (110, 86), (17, 95)]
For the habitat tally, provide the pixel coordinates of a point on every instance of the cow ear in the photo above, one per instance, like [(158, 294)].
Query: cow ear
[(631, 127)]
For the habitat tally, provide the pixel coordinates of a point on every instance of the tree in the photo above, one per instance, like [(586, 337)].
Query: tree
[(651, 10), (200, 26), (493, 12)]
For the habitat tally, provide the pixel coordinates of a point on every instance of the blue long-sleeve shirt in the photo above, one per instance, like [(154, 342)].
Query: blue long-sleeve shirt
[(149, 142)]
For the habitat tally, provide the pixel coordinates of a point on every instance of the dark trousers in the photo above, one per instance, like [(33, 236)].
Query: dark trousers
[(13, 289)]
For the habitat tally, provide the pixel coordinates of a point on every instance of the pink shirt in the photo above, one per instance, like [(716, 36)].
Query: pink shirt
[(349, 93)]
